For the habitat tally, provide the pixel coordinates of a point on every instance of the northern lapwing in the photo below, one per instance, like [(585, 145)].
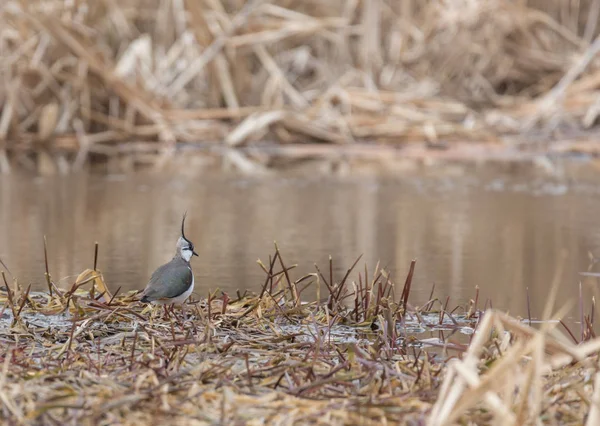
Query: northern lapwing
[(173, 282)]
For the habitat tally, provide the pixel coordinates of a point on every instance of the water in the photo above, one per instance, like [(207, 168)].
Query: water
[(501, 234)]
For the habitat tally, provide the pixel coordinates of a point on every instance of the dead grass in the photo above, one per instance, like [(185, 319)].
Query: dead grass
[(136, 77), (358, 356)]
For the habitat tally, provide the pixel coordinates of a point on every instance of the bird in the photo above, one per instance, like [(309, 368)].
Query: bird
[(173, 282)]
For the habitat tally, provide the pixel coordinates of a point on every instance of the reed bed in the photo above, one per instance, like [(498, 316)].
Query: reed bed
[(133, 81), (359, 354)]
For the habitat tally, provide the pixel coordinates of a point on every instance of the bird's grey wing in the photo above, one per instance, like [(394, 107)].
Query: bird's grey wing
[(168, 281)]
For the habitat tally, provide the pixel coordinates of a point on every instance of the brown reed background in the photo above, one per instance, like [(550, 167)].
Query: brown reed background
[(85, 80)]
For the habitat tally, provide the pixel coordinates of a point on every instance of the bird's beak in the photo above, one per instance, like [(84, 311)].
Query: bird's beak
[(194, 253)]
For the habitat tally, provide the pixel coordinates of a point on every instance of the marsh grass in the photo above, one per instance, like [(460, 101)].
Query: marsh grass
[(137, 78), (359, 354)]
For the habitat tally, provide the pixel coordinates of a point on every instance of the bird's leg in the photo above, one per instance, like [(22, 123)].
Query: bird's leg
[(183, 311), (180, 320), (166, 313), (172, 310)]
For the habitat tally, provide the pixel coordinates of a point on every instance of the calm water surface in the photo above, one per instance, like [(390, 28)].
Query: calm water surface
[(501, 234)]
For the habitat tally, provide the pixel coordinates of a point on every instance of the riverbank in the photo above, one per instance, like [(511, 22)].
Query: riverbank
[(360, 354), (133, 83)]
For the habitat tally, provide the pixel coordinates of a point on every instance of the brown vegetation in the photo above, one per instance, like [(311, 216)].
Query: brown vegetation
[(136, 77), (358, 356)]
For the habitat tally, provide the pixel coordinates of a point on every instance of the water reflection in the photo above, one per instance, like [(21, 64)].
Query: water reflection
[(463, 232)]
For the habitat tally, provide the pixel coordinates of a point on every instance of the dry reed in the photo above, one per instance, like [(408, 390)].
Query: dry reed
[(138, 78), (358, 356)]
